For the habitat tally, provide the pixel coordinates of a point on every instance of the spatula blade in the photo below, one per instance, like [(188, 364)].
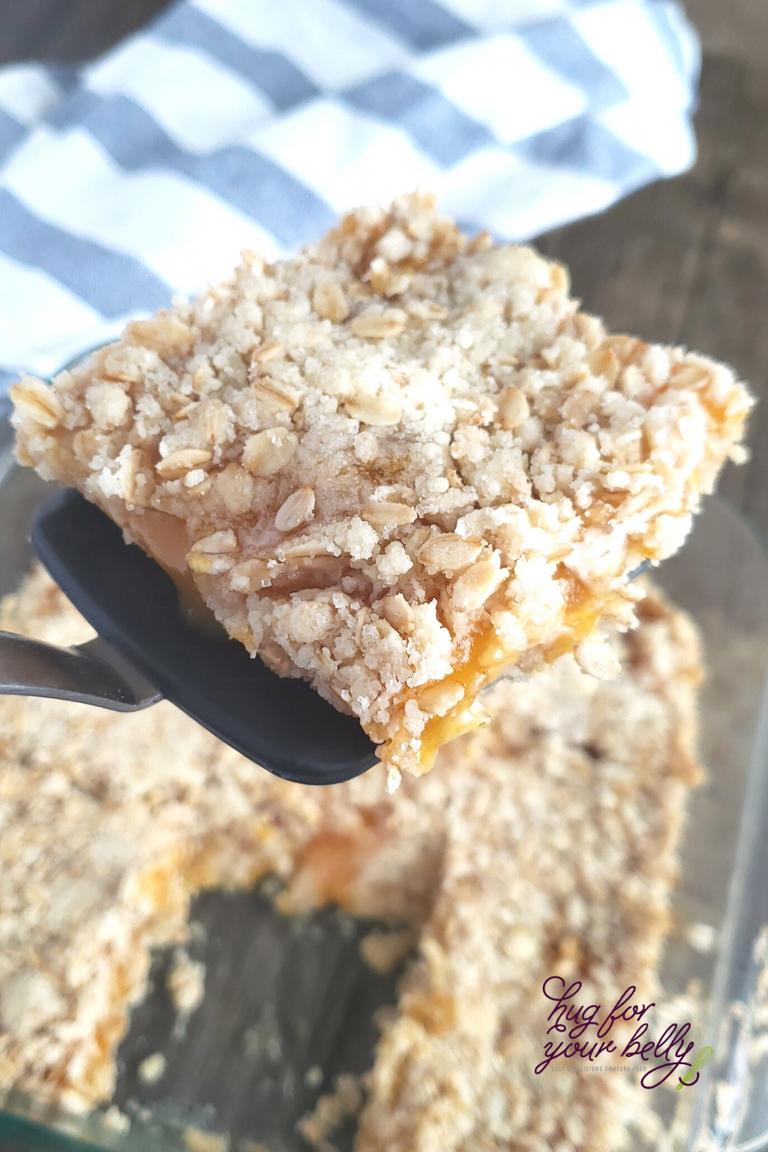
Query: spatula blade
[(282, 724)]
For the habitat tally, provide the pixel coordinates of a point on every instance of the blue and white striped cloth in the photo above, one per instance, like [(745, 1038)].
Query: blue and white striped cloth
[(231, 124)]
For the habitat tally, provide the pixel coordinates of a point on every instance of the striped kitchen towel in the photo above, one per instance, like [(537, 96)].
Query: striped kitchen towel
[(230, 124)]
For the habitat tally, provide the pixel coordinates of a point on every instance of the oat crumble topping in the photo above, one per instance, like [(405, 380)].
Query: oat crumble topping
[(396, 464), (543, 844)]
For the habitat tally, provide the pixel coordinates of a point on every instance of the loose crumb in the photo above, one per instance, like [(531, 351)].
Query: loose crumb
[(198, 1141), (186, 982), (313, 1077), (701, 937), (152, 1068), (383, 951), (331, 1111), (115, 1120)]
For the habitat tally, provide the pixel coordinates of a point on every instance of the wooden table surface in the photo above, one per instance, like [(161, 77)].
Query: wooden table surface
[(683, 261)]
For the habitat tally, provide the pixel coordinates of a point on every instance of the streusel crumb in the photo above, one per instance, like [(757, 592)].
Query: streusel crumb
[(544, 844), (396, 464)]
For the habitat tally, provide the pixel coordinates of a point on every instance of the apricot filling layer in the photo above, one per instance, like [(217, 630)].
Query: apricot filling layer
[(391, 453)]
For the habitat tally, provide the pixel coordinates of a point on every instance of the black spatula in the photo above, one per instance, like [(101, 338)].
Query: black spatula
[(147, 650)]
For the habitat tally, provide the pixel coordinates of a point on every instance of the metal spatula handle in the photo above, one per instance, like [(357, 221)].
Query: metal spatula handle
[(91, 673)]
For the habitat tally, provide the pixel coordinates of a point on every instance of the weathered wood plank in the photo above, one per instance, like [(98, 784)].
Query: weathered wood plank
[(737, 28), (68, 30)]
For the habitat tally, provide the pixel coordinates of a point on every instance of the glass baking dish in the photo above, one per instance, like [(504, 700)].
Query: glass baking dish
[(311, 1000)]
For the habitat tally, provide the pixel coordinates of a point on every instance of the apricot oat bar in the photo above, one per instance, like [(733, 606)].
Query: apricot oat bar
[(395, 465), (544, 844)]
